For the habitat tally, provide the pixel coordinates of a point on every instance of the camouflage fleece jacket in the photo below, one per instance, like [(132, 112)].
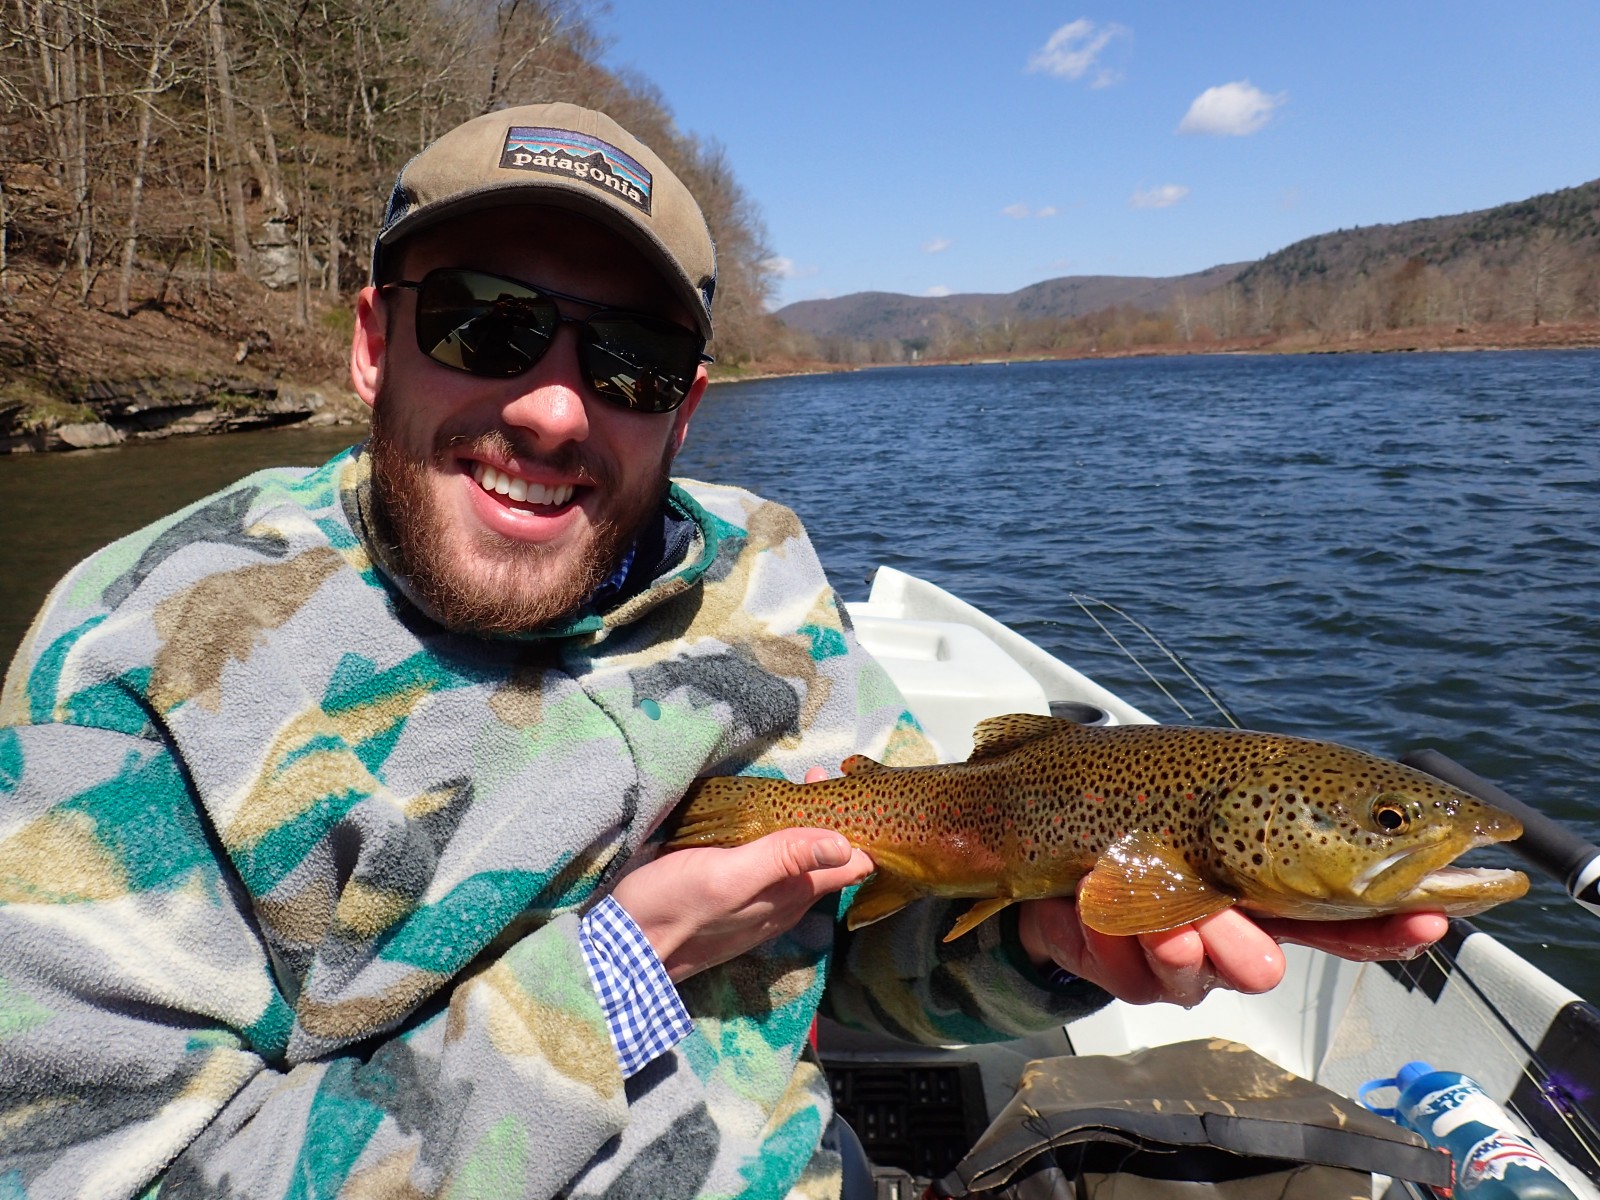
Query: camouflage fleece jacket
[(291, 877)]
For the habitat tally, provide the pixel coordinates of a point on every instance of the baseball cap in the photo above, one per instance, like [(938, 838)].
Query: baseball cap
[(567, 157)]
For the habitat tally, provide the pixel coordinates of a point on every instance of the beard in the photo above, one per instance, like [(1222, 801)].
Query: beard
[(474, 580)]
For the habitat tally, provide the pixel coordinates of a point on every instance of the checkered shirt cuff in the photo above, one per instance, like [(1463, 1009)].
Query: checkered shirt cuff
[(642, 1008)]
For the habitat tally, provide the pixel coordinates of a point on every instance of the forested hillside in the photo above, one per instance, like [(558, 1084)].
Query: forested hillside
[(1531, 261), (223, 164), (1484, 277), (877, 316)]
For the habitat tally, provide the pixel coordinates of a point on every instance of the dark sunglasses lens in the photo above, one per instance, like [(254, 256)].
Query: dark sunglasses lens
[(640, 363), (483, 324)]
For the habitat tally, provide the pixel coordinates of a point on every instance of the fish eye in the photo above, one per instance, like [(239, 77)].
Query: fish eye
[(1392, 814)]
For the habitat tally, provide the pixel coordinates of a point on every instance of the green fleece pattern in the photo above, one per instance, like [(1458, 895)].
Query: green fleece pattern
[(290, 876)]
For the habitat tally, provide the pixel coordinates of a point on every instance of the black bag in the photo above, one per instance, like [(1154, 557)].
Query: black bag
[(1203, 1119)]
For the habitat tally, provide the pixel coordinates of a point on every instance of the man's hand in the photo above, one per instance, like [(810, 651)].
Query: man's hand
[(704, 905), (1227, 949)]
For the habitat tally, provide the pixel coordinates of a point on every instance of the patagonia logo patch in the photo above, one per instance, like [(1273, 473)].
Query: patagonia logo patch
[(578, 156)]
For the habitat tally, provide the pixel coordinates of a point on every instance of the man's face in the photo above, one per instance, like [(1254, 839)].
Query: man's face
[(447, 445)]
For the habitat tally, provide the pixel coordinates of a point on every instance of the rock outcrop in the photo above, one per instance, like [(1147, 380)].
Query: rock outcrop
[(110, 412)]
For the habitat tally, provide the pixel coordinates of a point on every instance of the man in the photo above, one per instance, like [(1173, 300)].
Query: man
[(326, 804)]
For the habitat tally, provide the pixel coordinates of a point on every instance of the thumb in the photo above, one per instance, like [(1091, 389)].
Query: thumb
[(802, 851)]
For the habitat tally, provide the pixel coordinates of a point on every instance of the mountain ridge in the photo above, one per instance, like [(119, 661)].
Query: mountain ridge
[(879, 315), (1567, 219)]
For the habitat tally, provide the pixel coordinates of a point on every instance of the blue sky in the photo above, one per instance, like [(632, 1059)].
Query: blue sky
[(926, 146)]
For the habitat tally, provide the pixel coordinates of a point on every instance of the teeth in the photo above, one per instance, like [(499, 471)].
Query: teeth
[(521, 490)]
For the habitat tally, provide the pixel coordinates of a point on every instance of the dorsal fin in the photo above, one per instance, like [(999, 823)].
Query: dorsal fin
[(1001, 735), (860, 764)]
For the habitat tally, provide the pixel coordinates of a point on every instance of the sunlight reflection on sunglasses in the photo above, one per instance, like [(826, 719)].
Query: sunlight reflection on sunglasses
[(494, 327)]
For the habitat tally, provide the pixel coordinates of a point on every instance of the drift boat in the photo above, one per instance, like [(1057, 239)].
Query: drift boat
[(937, 1122)]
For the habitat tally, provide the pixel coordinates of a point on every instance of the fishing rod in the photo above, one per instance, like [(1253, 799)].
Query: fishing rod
[(1546, 844), (1083, 601)]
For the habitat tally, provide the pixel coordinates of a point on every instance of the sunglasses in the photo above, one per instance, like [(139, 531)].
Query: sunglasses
[(496, 328)]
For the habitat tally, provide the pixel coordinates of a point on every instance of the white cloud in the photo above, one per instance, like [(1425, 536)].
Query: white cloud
[(1231, 110), (1073, 51), (1021, 212), (938, 289), (936, 245), (1164, 196), (787, 268)]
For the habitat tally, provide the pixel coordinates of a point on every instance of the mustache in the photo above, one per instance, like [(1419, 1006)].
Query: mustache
[(567, 459)]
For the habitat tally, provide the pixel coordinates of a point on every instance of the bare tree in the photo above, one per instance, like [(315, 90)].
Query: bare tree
[(1542, 264), (171, 28), (232, 174)]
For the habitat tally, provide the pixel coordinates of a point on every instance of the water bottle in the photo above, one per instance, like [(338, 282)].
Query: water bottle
[(1450, 1110)]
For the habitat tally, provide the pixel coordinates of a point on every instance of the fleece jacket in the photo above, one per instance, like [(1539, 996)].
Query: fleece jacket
[(291, 876)]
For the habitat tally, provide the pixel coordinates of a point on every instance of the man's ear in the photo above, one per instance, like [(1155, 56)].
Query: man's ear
[(369, 345), (680, 422)]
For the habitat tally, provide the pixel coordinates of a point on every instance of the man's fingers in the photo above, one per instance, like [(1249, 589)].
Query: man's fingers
[(1122, 966), (1401, 936), (1244, 957), (1177, 958), (820, 852)]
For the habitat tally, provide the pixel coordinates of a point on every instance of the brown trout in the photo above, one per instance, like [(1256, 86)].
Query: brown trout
[(1181, 822)]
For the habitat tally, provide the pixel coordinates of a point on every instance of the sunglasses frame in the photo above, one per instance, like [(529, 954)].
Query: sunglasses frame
[(585, 334)]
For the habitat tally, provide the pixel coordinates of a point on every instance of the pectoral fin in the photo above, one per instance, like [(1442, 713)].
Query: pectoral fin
[(1143, 885), (976, 915), (881, 896)]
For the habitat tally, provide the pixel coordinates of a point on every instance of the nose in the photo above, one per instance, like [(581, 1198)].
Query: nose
[(551, 400)]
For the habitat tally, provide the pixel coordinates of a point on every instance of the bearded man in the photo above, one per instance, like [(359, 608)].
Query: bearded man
[(326, 804)]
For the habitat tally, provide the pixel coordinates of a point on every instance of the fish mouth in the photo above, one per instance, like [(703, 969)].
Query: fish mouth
[(1463, 891), (1401, 884)]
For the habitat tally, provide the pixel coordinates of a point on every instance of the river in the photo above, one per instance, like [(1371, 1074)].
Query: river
[(1387, 550)]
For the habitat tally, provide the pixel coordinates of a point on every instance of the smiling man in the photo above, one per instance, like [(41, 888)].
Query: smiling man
[(327, 805)]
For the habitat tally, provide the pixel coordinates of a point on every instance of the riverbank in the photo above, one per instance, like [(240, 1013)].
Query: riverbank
[(221, 358), (1561, 335)]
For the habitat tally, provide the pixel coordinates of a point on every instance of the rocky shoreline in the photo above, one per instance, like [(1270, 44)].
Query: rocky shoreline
[(111, 413)]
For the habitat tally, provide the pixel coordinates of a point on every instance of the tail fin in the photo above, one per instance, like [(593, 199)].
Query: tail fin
[(725, 810)]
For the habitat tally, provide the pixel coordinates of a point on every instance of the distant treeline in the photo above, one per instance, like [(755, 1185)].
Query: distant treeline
[(1534, 262), (153, 147)]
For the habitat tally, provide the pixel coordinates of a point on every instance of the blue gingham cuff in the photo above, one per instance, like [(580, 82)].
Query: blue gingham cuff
[(642, 1008)]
